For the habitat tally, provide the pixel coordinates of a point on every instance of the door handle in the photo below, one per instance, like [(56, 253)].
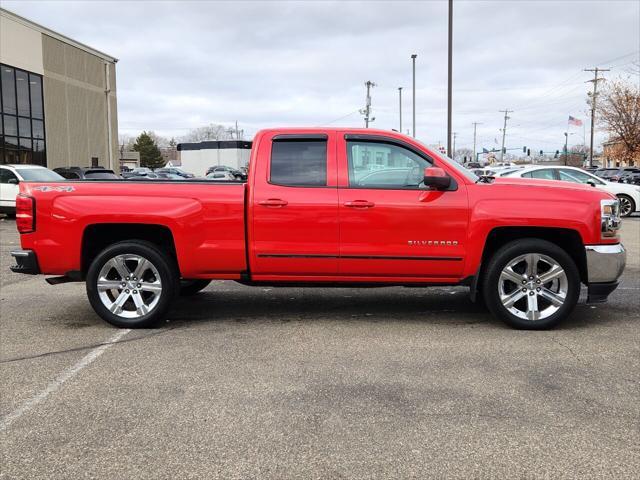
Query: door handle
[(273, 202), (359, 204)]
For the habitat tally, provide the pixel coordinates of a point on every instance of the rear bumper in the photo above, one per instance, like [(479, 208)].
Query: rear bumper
[(605, 264), (26, 262)]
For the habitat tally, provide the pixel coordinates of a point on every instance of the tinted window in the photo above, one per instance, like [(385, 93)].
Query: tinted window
[(8, 90), (6, 175), (100, 175), (299, 163), (69, 175), (39, 175), (384, 165), (544, 174), (22, 89), (35, 84), (10, 125)]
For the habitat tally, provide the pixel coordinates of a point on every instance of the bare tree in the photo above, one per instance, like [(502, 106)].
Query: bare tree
[(619, 114), (209, 132)]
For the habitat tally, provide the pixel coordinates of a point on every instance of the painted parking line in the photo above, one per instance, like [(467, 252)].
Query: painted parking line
[(62, 378)]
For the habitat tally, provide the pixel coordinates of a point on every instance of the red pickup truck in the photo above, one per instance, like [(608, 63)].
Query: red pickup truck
[(337, 207)]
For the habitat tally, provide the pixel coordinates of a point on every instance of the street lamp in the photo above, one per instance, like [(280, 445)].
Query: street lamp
[(566, 146), (413, 60), (400, 105)]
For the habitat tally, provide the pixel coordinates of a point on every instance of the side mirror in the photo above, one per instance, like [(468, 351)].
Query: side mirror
[(591, 182), (436, 178), (13, 181)]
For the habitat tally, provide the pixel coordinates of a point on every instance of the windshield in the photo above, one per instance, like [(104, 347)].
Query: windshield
[(38, 175)]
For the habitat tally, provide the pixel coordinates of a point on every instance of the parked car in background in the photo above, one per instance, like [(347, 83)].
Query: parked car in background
[(614, 174), (136, 172), (627, 173), (222, 177), (471, 165), (174, 171), (234, 172), (87, 173), (633, 178), (629, 195), (12, 175)]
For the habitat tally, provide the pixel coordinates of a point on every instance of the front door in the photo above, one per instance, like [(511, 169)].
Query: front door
[(294, 209), (390, 224)]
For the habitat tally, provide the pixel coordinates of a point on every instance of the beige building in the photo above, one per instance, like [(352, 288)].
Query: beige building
[(57, 98)]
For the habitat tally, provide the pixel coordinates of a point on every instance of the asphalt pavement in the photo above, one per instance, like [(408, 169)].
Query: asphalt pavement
[(280, 383)]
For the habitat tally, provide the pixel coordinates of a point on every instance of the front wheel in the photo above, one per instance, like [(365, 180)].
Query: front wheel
[(531, 284), (627, 205), (131, 284)]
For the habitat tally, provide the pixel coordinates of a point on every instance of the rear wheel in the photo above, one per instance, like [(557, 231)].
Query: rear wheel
[(627, 205), (191, 287), (131, 284), (531, 284)]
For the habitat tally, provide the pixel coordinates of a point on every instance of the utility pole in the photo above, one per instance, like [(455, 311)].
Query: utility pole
[(475, 125), (449, 85), (455, 134), (413, 59), (595, 81), (366, 111), (400, 105), (504, 131)]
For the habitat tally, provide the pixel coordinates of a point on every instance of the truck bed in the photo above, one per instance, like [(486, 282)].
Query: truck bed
[(205, 219)]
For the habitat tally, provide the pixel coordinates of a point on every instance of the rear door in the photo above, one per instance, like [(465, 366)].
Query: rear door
[(294, 207)]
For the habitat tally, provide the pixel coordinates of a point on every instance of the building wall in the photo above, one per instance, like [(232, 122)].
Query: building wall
[(78, 84), (20, 46), (76, 124)]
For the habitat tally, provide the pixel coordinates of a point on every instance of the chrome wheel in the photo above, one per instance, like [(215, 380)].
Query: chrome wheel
[(626, 208), (129, 286), (533, 286)]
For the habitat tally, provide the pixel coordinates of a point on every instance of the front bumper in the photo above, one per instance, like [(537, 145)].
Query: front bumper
[(26, 262), (605, 264)]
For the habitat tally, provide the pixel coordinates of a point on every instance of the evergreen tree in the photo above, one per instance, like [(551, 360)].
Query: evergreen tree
[(150, 155)]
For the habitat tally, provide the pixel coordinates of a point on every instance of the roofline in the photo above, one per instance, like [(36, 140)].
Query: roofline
[(58, 36)]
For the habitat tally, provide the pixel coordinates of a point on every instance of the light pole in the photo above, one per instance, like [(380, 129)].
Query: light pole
[(413, 59), (400, 106), (449, 86), (566, 146), (475, 125)]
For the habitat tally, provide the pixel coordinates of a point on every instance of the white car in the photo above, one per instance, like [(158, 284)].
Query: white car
[(629, 195), (12, 175)]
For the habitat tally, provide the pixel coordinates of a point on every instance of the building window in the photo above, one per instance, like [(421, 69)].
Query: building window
[(22, 133)]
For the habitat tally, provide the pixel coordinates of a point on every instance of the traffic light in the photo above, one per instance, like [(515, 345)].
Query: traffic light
[(504, 150), (541, 152), (524, 149), (557, 153), (528, 152)]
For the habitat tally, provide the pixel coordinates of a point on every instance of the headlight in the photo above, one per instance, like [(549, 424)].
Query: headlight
[(609, 218)]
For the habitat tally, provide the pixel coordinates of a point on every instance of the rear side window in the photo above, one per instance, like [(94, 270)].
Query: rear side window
[(301, 163), (544, 174)]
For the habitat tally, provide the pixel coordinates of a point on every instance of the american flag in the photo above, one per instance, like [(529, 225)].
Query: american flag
[(575, 121)]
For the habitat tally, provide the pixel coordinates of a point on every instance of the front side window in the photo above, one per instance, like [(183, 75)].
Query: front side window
[(395, 167), (576, 176), (299, 163)]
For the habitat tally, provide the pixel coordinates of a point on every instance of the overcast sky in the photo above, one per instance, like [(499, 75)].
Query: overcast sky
[(185, 64)]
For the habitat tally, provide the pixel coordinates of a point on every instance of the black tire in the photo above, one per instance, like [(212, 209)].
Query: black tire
[(631, 205), (168, 276), (509, 253), (191, 287)]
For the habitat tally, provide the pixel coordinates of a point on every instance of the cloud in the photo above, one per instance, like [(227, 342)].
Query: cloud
[(185, 64)]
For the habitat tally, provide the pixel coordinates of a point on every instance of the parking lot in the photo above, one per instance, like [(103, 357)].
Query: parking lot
[(316, 383)]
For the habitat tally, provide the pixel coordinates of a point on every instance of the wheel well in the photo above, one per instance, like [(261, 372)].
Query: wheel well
[(567, 239), (98, 237)]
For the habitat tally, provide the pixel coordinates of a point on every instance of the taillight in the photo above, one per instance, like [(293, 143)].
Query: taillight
[(25, 213)]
